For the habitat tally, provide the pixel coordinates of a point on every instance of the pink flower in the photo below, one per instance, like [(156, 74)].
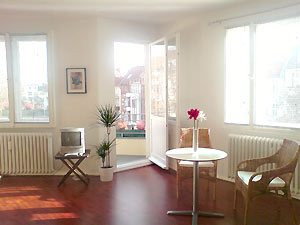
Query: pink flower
[(193, 113), (121, 125), (140, 125)]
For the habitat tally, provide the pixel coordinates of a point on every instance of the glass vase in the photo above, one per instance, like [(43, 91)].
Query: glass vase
[(195, 138)]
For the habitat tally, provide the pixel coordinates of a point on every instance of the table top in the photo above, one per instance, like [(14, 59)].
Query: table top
[(201, 155), (60, 155)]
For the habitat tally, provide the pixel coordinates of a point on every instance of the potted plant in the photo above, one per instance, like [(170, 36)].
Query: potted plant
[(107, 116), (103, 150)]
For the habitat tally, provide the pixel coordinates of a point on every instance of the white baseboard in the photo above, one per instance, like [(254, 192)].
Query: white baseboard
[(133, 165), (158, 162)]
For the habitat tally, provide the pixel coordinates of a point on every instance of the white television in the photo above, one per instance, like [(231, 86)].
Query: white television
[(72, 140)]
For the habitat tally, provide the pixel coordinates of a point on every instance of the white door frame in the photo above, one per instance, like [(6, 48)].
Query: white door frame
[(174, 125), (148, 100), (156, 153)]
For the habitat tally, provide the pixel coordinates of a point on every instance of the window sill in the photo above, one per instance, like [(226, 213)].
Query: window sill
[(28, 125), (268, 131), (260, 127)]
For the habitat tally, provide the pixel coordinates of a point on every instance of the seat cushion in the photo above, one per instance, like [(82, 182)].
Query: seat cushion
[(201, 164), (245, 177)]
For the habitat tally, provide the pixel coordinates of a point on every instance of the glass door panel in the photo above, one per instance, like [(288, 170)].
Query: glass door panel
[(172, 58), (158, 109), (172, 77), (158, 80)]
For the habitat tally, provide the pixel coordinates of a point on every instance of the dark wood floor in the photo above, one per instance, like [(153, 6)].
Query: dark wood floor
[(136, 197)]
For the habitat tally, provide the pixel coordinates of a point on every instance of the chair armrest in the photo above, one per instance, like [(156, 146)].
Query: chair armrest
[(267, 176), (253, 164)]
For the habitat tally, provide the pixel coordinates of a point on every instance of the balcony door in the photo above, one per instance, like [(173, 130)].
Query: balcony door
[(163, 97)]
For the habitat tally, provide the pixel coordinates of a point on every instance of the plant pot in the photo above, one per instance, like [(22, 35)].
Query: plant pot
[(106, 174)]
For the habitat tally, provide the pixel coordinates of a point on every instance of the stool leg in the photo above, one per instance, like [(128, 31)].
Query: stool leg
[(177, 184), (246, 212), (214, 189), (77, 168), (293, 211), (72, 170), (234, 198)]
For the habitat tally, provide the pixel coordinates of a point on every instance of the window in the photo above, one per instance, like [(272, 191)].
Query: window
[(237, 75), (4, 103), (274, 89), (28, 81)]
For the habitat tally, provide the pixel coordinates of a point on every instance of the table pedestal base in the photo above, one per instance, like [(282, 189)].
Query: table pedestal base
[(199, 213), (196, 214)]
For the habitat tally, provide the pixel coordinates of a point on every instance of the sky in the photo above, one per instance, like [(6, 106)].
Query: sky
[(128, 55), (33, 62)]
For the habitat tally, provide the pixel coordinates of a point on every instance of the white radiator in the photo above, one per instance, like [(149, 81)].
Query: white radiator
[(26, 153), (242, 147)]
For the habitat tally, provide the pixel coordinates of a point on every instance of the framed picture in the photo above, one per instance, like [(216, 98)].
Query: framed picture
[(76, 80)]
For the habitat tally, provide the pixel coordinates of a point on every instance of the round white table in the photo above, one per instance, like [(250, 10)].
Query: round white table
[(201, 155)]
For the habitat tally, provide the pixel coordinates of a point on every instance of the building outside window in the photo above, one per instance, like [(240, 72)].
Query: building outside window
[(130, 87)]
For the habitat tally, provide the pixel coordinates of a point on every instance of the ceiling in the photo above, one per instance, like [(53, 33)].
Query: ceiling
[(146, 11)]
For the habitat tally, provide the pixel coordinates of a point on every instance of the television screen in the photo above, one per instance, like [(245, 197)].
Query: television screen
[(70, 138)]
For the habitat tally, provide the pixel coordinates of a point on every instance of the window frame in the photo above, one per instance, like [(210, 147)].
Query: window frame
[(252, 76), (10, 82)]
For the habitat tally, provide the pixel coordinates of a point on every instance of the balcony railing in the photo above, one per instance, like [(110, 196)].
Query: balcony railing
[(131, 134), (131, 126)]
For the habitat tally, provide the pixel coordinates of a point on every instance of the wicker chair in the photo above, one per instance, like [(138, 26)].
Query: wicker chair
[(253, 184), (207, 170)]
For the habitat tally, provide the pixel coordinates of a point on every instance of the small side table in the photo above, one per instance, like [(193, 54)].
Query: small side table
[(201, 155), (73, 167)]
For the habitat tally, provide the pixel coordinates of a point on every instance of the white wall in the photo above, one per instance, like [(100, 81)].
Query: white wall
[(201, 81), (87, 41), (78, 41)]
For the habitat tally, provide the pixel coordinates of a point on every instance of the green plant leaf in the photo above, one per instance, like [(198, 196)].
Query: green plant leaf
[(107, 115)]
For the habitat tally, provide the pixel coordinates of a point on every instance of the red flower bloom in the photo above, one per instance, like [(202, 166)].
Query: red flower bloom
[(193, 113)]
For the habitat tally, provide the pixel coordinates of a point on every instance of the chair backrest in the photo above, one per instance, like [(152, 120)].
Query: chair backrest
[(288, 154), (186, 138)]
